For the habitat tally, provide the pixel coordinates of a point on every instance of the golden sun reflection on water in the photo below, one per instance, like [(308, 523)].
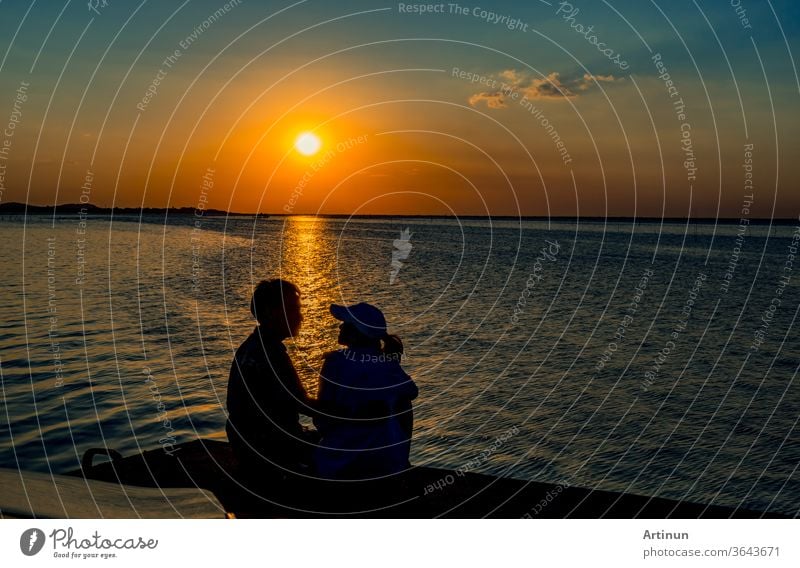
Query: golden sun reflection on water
[(308, 259)]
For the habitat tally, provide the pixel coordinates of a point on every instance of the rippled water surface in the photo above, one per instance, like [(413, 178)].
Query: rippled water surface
[(516, 334)]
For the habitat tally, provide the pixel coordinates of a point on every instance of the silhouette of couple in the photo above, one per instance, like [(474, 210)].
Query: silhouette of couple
[(362, 414)]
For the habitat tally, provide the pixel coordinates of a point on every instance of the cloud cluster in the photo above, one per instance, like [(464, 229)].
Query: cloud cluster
[(552, 86)]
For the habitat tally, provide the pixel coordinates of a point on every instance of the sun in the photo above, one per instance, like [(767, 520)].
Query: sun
[(307, 143)]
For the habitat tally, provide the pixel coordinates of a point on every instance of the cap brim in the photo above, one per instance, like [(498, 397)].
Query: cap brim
[(341, 313), (345, 314)]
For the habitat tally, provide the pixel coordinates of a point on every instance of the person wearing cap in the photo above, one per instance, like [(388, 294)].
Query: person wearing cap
[(265, 396), (364, 400)]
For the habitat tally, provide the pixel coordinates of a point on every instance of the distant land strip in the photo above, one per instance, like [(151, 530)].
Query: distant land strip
[(14, 208)]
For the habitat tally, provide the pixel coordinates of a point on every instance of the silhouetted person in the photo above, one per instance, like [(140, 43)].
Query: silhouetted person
[(364, 400), (265, 396)]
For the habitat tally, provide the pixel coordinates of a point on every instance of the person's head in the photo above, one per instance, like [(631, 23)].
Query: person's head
[(276, 306), (350, 336), (363, 325)]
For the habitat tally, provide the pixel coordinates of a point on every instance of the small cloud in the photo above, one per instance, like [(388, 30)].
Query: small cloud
[(511, 75), (492, 100), (552, 86), (589, 81), (604, 78)]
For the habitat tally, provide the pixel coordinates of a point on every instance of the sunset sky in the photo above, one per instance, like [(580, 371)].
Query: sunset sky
[(508, 110)]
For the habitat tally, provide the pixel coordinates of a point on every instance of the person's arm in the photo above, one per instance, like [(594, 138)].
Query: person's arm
[(246, 397), (407, 389), (325, 406), (290, 382)]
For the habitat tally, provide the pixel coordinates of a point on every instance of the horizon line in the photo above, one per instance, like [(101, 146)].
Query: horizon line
[(211, 212)]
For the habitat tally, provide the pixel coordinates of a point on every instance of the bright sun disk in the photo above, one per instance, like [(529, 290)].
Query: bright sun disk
[(307, 143)]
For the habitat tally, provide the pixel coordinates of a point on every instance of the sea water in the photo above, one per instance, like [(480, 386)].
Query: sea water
[(655, 358)]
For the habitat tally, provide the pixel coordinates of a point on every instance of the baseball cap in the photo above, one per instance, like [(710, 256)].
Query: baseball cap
[(365, 317)]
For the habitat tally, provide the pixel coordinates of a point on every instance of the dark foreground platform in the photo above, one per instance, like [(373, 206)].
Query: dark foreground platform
[(420, 493)]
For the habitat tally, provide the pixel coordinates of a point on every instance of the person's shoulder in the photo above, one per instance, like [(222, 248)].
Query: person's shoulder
[(388, 371), (403, 375), (336, 357), (245, 348), (257, 350), (398, 375)]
